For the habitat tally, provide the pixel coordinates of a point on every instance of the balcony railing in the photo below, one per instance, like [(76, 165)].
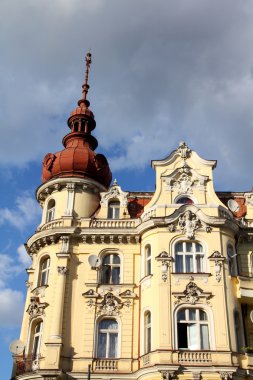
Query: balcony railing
[(194, 357), (26, 364), (113, 223), (105, 365)]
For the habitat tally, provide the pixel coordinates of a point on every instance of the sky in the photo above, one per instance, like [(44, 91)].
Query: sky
[(163, 71)]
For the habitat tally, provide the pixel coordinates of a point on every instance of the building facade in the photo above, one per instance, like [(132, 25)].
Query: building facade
[(136, 285)]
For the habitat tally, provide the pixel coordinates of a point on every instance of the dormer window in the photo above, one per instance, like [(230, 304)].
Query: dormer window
[(184, 201), (113, 210)]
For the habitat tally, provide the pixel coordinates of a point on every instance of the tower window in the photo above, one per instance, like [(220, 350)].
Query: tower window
[(193, 329), (232, 264), (110, 269), (44, 272), (50, 210), (107, 343), (147, 332), (36, 334), (147, 260), (189, 257), (113, 210)]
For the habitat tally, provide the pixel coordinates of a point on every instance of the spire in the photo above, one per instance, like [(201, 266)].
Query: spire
[(86, 76)]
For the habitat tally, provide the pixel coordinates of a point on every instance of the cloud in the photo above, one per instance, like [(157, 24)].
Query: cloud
[(11, 307), (25, 213), (180, 71)]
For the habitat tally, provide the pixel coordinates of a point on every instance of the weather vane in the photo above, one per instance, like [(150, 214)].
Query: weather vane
[(85, 85)]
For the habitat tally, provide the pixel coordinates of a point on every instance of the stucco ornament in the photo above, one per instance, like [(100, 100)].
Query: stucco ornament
[(110, 305), (226, 375), (188, 223), (192, 293), (114, 192), (165, 261), (183, 150), (167, 375), (218, 259), (184, 184), (35, 309), (62, 270)]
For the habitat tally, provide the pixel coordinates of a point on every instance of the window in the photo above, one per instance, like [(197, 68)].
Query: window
[(50, 210), (184, 201), (113, 210), (107, 346), (232, 264), (110, 269), (147, 332), (147, 260), (36, 340), (192, 329), (189, 257), (44, 272)]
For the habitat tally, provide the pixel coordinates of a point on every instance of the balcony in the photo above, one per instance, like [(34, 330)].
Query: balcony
[(194, 357), (26, 364), (105, 365)]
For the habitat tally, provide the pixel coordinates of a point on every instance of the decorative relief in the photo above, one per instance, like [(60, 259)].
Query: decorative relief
[(35, 309), (110, 305), (218, 259), (62, 270), (168, 375), (189, 223), (64, 244), (166, 262), (226, 375), (39, 291), (191, 294)]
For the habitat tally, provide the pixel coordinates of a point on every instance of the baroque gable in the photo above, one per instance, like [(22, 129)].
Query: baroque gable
[(114, 193)]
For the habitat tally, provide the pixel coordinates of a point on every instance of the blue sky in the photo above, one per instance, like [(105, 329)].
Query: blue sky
[(162, 72)]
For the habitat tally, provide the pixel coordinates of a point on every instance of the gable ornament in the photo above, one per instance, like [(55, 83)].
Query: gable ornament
[(189, 223), (183, 150), (191, 294)]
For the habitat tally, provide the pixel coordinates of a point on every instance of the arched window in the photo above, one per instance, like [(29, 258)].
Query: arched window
[(189, 257), (232, 264), (44, 272), (147, 260), (184, 201), (147, 332), (110, 273), (50, 210), (113, 210), (107, 342), (36, 334), (192, 329)]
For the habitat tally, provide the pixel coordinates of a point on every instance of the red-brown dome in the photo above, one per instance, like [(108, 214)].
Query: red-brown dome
[(78, 159)]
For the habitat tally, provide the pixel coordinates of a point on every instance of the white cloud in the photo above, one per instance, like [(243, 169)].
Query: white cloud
[(23, 256), (26, 212), (11, 307)]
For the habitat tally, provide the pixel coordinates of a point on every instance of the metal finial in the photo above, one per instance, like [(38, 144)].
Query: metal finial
[(85, 85)]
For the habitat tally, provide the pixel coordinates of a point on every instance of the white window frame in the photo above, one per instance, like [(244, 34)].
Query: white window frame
[(45, 259), (50, 213), (111, 265), (114, 209), (184, 253), (108, 332), (147, 332), (148, 259)]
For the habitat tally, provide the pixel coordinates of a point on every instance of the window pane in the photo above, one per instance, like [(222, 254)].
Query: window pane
[(148, 267), (116, 213), (202, 315), (106, 259), (115, 275), (192, 314), (148, 340), (199, 263), (188, 263), (181, 315), (113, 345), (108, 324), (116, 259), (44, 276), (102, 345), (189, 247), (199, 247), (179, 247), (179, 264), (193, 336), (204, 337), (182, 335), (147, 318), (106, 274)]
